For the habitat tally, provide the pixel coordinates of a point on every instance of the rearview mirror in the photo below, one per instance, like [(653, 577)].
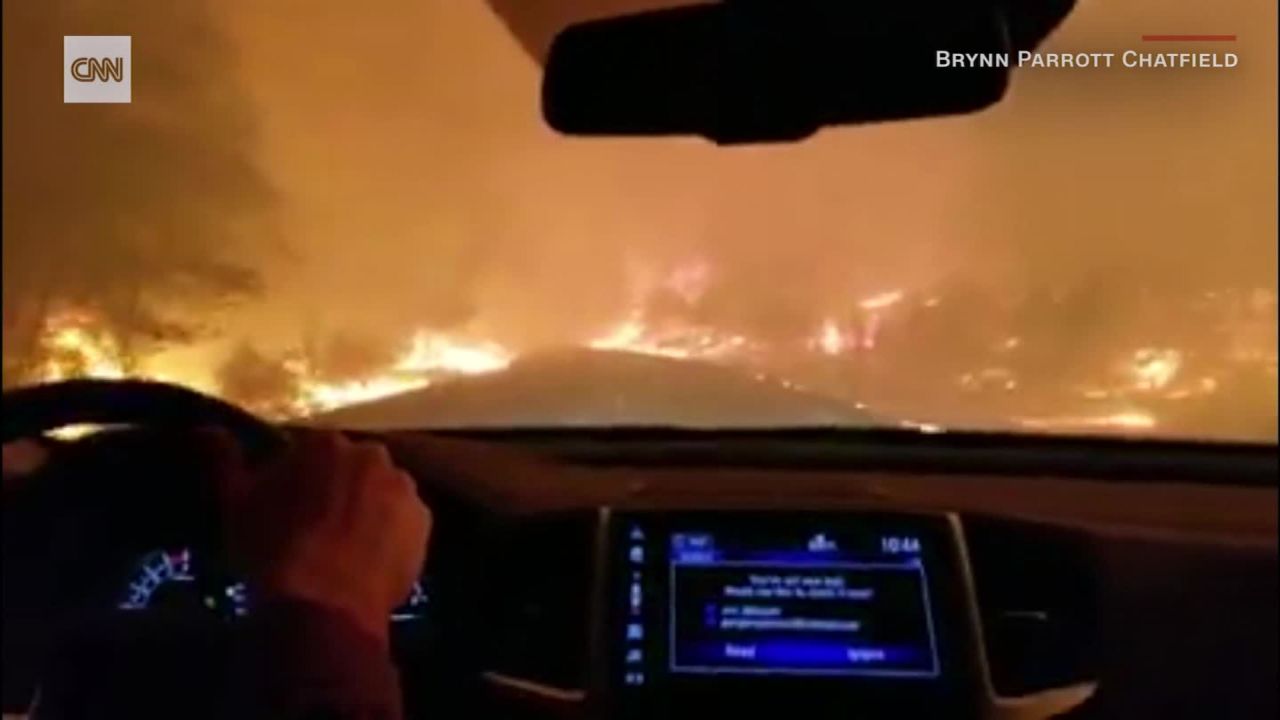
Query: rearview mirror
[(777, 70)]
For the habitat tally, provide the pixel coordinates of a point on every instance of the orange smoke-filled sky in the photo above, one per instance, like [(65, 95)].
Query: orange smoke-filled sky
[(419, 184), (416, 184)]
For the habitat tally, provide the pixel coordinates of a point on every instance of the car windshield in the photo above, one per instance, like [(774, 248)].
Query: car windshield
[(335, 210)]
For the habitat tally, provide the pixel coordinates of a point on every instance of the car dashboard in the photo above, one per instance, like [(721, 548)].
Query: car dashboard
[(751, 611), (666, 574)]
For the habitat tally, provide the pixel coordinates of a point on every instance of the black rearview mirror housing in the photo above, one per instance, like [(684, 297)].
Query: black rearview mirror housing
[(744, 71)]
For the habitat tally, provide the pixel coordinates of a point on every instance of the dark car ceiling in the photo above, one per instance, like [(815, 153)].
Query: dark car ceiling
[(534, 23)]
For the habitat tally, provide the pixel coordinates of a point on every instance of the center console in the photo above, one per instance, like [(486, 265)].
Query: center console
[(754, 614)]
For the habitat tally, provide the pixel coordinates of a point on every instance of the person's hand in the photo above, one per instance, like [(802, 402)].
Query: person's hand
[(331, 522), (21, 460)]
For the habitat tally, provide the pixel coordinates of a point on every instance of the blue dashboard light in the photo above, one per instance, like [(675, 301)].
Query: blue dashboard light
[(238, 599), (799, 603), (822, 543), (156, 571)]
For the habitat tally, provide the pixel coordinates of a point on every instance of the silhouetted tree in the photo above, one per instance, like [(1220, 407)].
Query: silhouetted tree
[(145, 214)]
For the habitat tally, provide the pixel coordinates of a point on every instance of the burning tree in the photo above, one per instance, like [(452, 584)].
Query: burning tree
[(345, 370)]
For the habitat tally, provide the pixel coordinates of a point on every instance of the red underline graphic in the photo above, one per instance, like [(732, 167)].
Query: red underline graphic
[(1188, 38)]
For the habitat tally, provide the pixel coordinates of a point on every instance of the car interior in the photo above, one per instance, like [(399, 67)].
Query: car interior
[(593, 573)]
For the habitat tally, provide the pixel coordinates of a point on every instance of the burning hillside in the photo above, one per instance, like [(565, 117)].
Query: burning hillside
[(896, 352), (594, 388)]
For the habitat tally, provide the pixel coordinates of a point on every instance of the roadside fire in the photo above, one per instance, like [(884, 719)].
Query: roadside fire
[(75, 345), (678, 341), (428, 357), (860, 353)]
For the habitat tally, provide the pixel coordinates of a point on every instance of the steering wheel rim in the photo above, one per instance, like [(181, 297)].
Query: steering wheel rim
[(34, 410)]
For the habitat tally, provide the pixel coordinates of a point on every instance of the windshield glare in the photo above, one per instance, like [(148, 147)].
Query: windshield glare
[(312, 209)]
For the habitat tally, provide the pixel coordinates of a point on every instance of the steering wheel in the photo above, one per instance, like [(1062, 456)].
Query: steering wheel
[(144, 488), (64, 499), (38, 409)]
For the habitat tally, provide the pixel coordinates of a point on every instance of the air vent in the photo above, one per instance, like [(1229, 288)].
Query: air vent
[(537, 599), (1037, 598)]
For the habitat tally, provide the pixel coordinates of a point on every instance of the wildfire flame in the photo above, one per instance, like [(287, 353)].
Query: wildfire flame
[(75, 346), (1127, 420), (431, 352), (75, 343), (682, 342), (883, 300), (1155, 368), (832, 339), (428, 357)]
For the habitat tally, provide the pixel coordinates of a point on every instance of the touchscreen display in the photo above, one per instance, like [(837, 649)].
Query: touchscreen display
[(799, 603)]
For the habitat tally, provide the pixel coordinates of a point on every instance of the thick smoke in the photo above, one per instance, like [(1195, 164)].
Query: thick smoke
[(1091, 214), (149, 214), (426, 189)]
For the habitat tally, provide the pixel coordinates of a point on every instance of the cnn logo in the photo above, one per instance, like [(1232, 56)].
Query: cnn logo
[(97, 68), (90, 69)]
